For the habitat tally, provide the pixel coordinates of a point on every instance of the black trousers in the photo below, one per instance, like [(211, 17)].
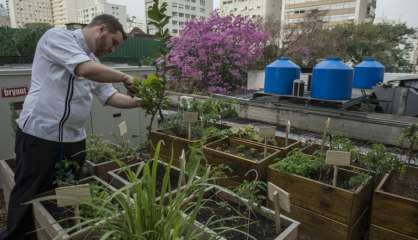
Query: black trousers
[(35, 174)]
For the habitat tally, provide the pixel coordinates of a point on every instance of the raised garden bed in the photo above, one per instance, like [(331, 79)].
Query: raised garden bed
[(395, 207), (7, 175), (344, 205), (175, 140), (242, 157), (120, 179), (53, 222), (223, 209), (101, 155)]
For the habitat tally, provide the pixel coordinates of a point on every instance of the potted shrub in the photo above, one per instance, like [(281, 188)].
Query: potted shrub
[(249, 133), (103, 156), (324, 210), (7, 175), (232, 217), (54, 222), (246, 160), (395, 206)]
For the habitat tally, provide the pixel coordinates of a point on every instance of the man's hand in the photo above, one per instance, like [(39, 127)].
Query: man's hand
[(129, 84)]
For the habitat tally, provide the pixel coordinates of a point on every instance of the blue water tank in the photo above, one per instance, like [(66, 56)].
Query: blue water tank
[(279, 76), (368, 73), (332, 80)]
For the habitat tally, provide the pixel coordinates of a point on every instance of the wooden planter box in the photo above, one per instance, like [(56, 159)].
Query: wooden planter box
[(317, 204), (280, 143), (173, 144), (119, 181), (240, 166), (49, 228), (101, 169), (394, 216), (289, 226), (7, 175)]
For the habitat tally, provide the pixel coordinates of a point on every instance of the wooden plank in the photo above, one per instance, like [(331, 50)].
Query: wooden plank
[(284, 196), (73, 195), (240, 166), (395, 212), (324, 199), (381, 233), (190, 117)]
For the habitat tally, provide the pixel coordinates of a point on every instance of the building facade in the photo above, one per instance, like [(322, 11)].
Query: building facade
[(252, 8), (332, 11), (182, 11), (61, 12), (87, 10), (29, 11)]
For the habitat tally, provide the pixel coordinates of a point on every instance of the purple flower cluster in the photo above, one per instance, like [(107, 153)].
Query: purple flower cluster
[(217, 51)]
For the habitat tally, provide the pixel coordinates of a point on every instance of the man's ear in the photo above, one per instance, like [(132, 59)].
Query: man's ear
[(102, 28)]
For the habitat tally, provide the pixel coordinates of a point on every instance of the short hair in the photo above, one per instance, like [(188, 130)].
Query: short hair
[(110, 22)]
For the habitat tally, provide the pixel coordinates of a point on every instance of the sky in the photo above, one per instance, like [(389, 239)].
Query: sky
[(393, 10)]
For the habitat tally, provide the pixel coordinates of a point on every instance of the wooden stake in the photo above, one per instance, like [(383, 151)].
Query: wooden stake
[(287, 133), (324, 136), (190, 131), (334, 180), (182, 166), (77, 215), (277, 211), (265, 147)]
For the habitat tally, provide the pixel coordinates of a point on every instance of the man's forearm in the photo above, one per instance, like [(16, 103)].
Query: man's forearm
[(120, 100), (100, 73)]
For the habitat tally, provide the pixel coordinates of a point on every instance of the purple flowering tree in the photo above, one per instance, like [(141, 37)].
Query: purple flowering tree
[(215, 53)]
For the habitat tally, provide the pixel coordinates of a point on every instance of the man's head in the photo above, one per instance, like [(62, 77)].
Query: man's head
[(104, 34)]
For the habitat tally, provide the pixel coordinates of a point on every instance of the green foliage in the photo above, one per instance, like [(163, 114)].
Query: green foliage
[(100, 150), (358, 179), (410, 135), (152, 93), (299, 163), (159, 19), (213, 110), (65, 171), (380, 161), (252, 191), (340, 143), (247, 132), (389, 43)]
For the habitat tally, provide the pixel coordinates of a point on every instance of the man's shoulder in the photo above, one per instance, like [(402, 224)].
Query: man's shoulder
[(56, 31)]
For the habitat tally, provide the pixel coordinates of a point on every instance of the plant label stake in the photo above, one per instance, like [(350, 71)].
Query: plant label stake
[(73, 196), (189, 118), (337, 158), (287, 133), (324, 136), (280, 199), (182, 161), (123, 129), (266, 132)]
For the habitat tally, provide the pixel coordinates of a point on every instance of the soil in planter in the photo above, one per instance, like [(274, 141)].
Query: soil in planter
[(406, 186), (174, 177), (243, 151), (217, 208)]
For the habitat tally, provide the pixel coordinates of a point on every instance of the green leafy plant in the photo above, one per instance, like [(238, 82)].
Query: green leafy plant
[(100, 150), (379, 161), (247, 132), (151, 91), (253, 191), (410, 135), (299, 163), (357, 180)]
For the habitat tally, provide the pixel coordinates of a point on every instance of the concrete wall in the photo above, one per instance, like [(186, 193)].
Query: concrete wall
[(103, 121)]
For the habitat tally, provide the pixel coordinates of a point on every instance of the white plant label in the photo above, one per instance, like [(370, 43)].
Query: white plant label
[(123, 128), (267, 132), (190, 117), (284, 197), (73, 195), (338, 158)]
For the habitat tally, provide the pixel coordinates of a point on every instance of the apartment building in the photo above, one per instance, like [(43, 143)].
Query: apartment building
[(332, 11), (252, 8), (22, 12), (182, 11), (61, 12), (91, 8)]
